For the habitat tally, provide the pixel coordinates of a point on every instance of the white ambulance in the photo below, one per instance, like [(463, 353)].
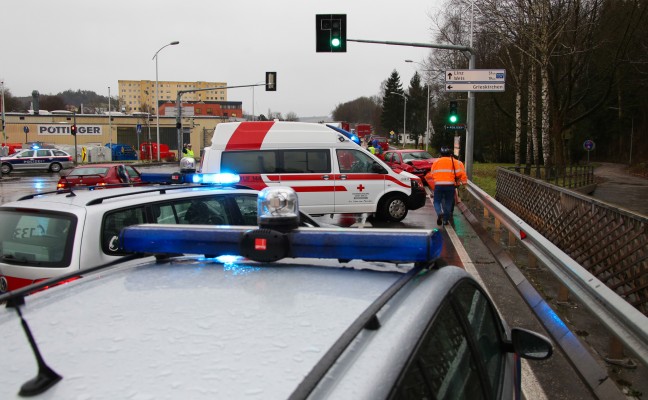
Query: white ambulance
[(330, 173)]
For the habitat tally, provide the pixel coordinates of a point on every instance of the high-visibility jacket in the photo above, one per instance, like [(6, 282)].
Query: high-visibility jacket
[(189, 153), (446, 171)]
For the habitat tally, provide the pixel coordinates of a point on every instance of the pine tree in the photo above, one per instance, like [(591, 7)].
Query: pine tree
[(392, 111)]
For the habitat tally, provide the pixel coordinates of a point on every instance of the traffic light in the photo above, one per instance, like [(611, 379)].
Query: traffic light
[(271, 82), (453, 116), (73, 130), (330, 31)]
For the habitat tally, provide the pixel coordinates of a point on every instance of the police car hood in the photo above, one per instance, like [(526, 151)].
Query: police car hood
[(186, 329)]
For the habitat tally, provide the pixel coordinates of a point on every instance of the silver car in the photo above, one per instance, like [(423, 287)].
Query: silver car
[(52, 160), (274, 312)]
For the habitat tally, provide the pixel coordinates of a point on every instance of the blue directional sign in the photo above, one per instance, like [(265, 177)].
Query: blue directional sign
[(589, 145), (139, 128)]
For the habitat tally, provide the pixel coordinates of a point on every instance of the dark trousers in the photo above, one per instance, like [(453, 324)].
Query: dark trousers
[(444, 200)]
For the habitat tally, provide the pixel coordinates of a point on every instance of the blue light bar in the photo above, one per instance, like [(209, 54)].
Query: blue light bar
[(414, 245), (178, 177)]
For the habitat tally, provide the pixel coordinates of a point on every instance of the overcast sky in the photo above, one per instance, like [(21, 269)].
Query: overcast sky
[(52, 46)]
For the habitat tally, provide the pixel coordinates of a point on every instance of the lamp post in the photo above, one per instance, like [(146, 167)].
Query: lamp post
[(427, 117), (404, 111), (157, 96)]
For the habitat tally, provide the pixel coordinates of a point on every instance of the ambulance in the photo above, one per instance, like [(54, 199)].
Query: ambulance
[(330, 173)]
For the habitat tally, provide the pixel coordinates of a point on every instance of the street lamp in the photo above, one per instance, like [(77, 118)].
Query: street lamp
[(157, 96), (404, 111), (427, 117)]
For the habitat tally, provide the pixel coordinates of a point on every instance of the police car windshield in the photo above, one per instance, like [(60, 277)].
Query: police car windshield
[(36, 239)]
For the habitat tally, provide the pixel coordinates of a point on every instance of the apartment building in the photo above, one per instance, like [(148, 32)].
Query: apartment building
[(139, 96)]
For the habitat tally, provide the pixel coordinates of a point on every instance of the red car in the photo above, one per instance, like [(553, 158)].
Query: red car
[(417, 162), (99, 175)]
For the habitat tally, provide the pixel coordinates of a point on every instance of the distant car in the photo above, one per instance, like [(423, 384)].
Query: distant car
[(417, 162), (269, 312), (99, 175), (46, 235), (52, 160)]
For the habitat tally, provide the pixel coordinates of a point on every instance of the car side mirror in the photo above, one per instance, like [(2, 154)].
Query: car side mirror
[(377, 168), (530, 345)]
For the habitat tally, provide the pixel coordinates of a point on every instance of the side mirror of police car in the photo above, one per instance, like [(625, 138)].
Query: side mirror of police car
[(530, 345)]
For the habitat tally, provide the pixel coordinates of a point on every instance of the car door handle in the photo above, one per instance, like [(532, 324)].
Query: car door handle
[(343, 176), (326, 177)]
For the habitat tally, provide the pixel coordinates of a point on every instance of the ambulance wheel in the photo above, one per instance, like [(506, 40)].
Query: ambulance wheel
[(6, 168), (55, 167), (393, 208)]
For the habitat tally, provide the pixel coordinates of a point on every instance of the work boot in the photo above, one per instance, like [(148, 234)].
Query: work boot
[(439, 219)]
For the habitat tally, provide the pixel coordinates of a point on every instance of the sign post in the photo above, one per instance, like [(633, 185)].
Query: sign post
[(589, 145)]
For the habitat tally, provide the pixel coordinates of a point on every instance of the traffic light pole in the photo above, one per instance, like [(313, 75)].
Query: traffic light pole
[(179, 105), (470, 117)]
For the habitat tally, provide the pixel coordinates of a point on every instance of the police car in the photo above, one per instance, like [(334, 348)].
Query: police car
[(52, 160), (46, 235), (273, 312)]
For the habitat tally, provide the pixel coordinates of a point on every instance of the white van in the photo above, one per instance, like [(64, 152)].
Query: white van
[(330, 173)]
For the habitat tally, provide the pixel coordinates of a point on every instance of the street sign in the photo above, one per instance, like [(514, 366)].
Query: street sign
[(475, 75), (475, 87), (26, 129), (457, 127), (139, 128), (589, 145)]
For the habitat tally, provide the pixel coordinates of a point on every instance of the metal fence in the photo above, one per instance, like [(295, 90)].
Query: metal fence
[(610, 243), (569, 176)]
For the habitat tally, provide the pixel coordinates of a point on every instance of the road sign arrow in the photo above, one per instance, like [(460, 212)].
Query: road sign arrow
[(449, 76), (449, 87)]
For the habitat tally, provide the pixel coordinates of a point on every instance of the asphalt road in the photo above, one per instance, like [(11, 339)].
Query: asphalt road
[(617, 187)]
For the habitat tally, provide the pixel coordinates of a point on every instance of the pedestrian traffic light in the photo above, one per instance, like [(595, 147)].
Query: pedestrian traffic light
[(271, 82), (73, 130), (453, 116), (330, 31)]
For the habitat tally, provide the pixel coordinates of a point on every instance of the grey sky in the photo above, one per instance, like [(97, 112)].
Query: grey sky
[(52, 46)]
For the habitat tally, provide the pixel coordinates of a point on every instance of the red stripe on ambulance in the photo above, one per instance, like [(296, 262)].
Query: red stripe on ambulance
[(249, 135)]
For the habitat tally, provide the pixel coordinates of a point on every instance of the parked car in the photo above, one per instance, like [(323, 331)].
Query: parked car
[(99, 175), (52, 160), (46, 235), (273, 312), (417, 162)]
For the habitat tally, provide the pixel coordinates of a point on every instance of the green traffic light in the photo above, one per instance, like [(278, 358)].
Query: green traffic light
[(453, 119), (335, 42)]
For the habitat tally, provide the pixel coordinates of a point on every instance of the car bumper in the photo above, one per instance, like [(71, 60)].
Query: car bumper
[(417, 198)]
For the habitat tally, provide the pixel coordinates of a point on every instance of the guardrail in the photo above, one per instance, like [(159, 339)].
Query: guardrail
[(620, 317)]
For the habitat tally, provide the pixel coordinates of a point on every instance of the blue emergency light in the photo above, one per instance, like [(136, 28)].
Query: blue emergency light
[(225, 179)]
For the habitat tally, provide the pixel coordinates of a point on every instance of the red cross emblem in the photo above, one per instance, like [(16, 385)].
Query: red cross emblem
[(360, 187)]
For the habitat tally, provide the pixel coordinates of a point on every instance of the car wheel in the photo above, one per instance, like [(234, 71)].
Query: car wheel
[(393, 208), (6, 168), (56, 167)]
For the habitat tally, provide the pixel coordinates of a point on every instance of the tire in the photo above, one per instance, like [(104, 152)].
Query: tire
[(393, 208), (55, 167), (6, 168)]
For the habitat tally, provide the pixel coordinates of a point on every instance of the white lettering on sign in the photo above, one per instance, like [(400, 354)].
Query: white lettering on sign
[(63, 130)]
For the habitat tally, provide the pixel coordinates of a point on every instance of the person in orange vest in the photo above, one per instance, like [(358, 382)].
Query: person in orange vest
[(446, 175)]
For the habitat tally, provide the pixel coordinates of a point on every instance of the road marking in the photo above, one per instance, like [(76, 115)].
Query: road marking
[(531, 389)]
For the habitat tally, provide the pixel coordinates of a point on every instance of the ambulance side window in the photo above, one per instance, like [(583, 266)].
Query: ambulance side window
[(306, 161), (354, 161), (249, 162)]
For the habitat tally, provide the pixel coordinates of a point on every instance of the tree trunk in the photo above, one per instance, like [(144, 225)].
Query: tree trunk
[(546, 128)]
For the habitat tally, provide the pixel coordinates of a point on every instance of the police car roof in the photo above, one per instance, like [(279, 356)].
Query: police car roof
[(196, 328)]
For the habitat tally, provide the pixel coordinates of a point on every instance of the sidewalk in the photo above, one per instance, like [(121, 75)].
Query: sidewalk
[(617, 187)]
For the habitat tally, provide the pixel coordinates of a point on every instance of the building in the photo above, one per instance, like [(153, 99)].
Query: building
[(92, 129), (225, 109), (139, 96)]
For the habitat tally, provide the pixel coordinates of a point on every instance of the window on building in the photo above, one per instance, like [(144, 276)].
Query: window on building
[(210, 111), (197, 110)]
